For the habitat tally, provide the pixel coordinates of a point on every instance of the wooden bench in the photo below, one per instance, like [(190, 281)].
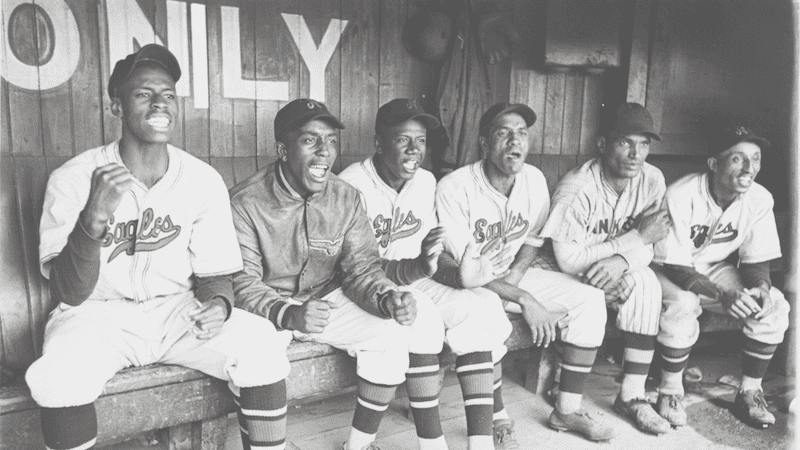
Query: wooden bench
[(192, 407)]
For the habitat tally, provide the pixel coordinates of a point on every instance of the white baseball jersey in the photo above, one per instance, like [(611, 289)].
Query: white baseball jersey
[(587, 210), (703, 234), (401, 220), (158, 237), (471, 209)]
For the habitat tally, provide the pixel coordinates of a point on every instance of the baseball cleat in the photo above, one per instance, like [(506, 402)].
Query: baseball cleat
[(670, 408), (581, 422), (504, 434), (370, 446), (752, 407), (640, 410)]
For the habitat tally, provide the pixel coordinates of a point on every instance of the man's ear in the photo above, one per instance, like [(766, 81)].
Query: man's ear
[(601, 144), (280, 149), (484, 145), (378, 148), (712, 164), (116, 107)]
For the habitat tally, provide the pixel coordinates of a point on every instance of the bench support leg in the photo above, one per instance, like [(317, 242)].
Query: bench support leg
[(541, 368), (203, 435)]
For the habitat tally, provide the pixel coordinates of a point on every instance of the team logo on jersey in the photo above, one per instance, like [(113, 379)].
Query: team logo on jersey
[(515, 226), (129, 237), (390, 229), (700, 235), (615, 228)]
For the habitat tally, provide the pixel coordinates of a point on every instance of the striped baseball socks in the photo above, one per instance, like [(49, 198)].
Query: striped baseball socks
[(476, 374), (422, 382), (499, 411), (69, 428), (755, 360), (576, 364), (638, 354), (262, 416), (673, 363), (373, 399)]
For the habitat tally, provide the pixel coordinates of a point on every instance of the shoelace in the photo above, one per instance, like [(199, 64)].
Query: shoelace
[(505, 436), (673, 401), (761, 402)]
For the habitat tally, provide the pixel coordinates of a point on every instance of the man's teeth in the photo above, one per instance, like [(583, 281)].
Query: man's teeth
[(318, 171), (410, 165), (158, 122)]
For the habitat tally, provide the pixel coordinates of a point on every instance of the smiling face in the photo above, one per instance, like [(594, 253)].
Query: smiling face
[(147, 105), (624, 155), (506, 145), (735, 169), (308, 154), (399, 151)]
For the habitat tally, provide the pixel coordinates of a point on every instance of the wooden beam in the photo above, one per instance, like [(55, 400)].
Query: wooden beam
[(640, 54)]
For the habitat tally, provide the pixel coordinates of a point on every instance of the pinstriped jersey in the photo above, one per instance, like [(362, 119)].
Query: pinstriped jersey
[(703, 234), (400, 220), (471, 209), (158, 238), (587, 210)]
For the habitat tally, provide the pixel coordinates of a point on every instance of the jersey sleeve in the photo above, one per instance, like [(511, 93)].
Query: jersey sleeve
[(452, 206), (762, 243), (65, 197), (540, 197), (213, 245), (676, 248)]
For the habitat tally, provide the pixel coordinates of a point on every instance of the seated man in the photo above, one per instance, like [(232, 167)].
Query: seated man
[(312, 266), (399, 199), (139, 246), (502, 199), (604, 217), (715, 214)]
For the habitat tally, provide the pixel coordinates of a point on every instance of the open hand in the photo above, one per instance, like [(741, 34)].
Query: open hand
[(543, 323), (432, 247), (207, 318), (491, 264)]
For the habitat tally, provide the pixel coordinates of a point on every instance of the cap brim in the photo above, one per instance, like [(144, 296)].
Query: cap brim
[(649, 133), (428, 120), (326, 117), (762, 143), (524, 111)]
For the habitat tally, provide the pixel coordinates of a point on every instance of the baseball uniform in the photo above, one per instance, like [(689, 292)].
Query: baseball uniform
[(474, 319), (586, 210), (158, 240), (471, 209), (702, 236)]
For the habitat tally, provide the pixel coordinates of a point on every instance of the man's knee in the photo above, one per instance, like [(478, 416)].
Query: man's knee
[(56, 382), (257, 352), (427, 332)]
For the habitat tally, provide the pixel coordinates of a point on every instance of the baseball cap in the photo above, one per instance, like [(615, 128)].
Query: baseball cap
[(400, 110), (723, 138), (301, 111), (499, 109), (633, 118), (150, 52)]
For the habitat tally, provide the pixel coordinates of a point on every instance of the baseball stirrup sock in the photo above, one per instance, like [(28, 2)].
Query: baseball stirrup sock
[(373, 399), (576, 363), (756, 357), (262, 416), (638, 356), (476, 375), (69, 428), (422, 383), (499, 410)]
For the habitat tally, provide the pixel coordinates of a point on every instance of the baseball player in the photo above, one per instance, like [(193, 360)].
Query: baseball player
[(502, 199), (139, 246), (311, 266), (604, 217), (399, 199), (714, 215)]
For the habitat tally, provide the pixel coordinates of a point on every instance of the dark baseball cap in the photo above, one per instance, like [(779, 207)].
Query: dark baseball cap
[(301, 111), (633, 118), (149, 53), (400, 110), (725, 137), (499, 109)]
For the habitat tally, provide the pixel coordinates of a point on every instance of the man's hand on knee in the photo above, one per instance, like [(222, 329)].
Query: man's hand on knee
[(207, 318), (310, 317), (762, 297), (605, 273), (543, 323), (739, 304)]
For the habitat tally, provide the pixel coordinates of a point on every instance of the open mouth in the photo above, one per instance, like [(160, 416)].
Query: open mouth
[(318, 171), (411, 165), (158, 122)]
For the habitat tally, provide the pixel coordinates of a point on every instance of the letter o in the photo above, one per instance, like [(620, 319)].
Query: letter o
[(64, 53)]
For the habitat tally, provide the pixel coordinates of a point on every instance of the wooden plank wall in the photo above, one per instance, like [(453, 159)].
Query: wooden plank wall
[(42, 129)]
